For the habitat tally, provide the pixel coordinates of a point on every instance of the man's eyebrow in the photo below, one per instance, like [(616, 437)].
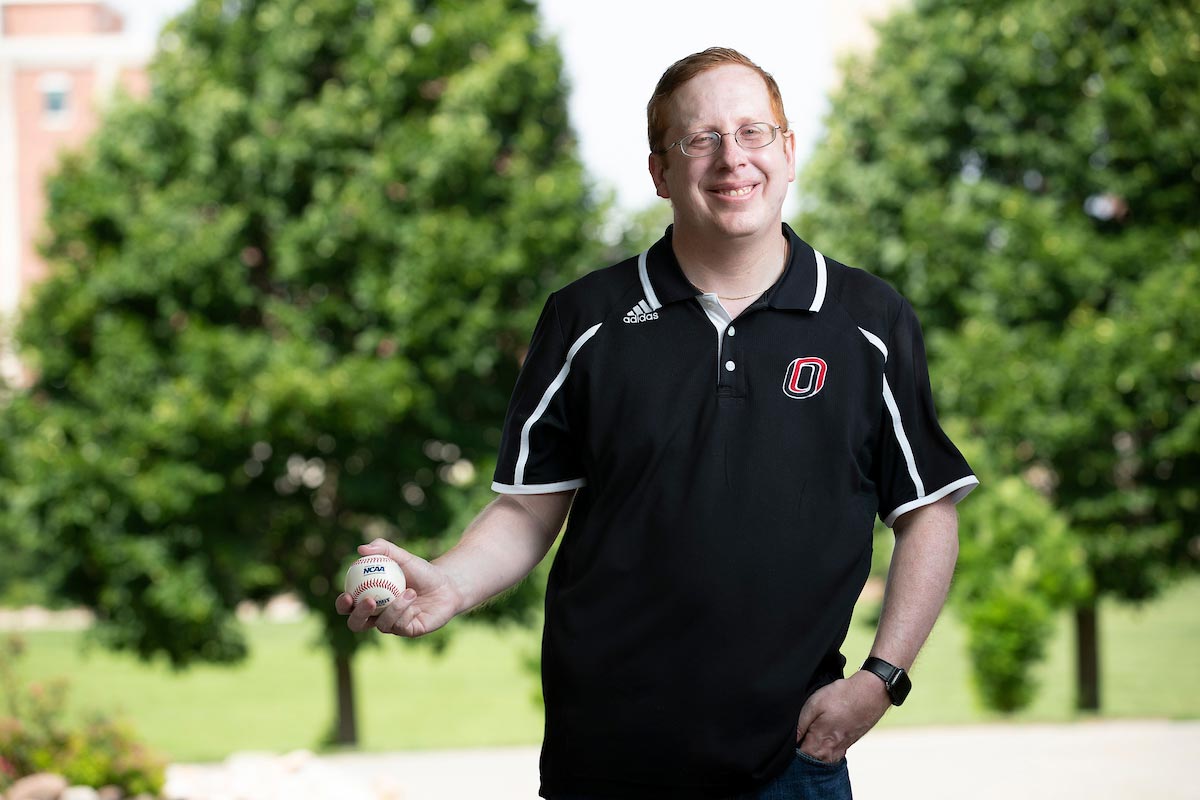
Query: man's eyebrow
[(694, 125)]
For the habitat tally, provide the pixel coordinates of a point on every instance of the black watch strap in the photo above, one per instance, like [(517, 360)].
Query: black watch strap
[(894, 678)]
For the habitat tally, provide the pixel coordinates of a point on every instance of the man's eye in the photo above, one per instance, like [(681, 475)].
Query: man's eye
[(701, 141), (752, 132)]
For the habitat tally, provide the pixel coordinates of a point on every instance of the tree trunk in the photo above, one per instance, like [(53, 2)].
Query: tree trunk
[(347, 721), (1087, 658)]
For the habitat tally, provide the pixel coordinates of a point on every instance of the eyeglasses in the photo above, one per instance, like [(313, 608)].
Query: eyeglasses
[(705, 143)]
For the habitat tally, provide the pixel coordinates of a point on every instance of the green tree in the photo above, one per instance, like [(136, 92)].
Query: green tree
[(1028, 174), (289, 297)]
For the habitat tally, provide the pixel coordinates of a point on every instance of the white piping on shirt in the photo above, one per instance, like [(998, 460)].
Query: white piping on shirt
[(559, 380)]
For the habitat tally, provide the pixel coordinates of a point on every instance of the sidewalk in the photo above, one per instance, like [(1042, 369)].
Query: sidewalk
[(1109, 760)]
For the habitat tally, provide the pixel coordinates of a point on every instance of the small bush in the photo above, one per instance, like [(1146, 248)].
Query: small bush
[(35, 737), (1019, 562), (1006, 635)]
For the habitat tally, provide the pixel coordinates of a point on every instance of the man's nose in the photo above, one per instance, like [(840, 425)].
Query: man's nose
[(731, 152)]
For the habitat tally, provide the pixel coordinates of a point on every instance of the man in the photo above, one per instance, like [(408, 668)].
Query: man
[(723, 416)]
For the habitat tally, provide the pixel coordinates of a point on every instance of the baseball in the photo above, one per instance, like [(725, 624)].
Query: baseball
[(377, 577)]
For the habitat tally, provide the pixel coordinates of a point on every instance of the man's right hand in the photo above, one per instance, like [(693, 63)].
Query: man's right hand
[(429, 601), (501, 546)]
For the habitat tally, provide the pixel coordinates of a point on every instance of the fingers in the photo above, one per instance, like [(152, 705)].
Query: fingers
[(360, 616), (819, 743), (383, 547), (807, 740), (810, 711), (826, 756), (837, 716), (417, 571), (392, 618), (376, 547), (399, 615), (810, 738), (805, 721)]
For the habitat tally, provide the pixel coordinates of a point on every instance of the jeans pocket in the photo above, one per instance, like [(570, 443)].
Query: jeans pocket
[(803, 756)]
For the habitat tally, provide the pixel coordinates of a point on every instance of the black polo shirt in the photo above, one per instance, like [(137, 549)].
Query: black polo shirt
[(728, 476)]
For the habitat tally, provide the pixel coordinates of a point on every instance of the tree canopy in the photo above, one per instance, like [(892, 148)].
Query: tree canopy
[(289, 296), (1028, 175)]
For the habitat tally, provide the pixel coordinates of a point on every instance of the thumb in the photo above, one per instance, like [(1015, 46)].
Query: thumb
[(808, 714), (416, 570)]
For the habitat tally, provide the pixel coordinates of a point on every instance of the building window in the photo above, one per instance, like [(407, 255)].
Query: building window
[(56, 99)]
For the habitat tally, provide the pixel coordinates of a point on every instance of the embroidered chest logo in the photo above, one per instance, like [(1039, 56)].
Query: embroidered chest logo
[(804, 377), (640, 313)]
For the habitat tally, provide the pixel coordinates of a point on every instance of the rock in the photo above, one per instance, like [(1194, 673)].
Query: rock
[(387, 788), (80, 793), (295, 761), (111, 793), (42, 786)]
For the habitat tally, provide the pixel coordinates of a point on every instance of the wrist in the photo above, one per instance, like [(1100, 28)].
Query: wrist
[(894, 680), (455, 582), (874, 687)]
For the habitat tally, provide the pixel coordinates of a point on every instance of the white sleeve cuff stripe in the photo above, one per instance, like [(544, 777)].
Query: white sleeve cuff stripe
[(956, 491), (538, 488), (647, 289), (822, 280), (902, 438), (559, 380)]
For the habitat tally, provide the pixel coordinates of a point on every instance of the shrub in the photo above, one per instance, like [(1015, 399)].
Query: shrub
[(1006, 635), (35, 736), (1019, 562)]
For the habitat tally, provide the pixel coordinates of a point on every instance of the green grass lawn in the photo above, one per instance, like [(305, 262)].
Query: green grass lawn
[(479, 693), (475, 693), (1142, 650)]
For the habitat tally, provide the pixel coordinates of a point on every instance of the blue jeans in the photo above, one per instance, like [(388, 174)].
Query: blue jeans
[(806, 779)]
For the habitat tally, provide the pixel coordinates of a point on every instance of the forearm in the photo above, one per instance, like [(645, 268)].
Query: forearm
[(918, 581), (840, 713), (503, 544)]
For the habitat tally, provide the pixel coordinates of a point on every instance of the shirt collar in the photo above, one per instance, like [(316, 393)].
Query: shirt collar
[(802, 285)]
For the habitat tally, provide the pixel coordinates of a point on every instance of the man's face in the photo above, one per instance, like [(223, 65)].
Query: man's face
[(734, 192)]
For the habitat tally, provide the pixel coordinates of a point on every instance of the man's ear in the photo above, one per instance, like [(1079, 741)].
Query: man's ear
[(658, 169), (789, 152)]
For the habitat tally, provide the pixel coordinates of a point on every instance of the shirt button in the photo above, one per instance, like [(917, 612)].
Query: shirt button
[(731, 331), (729, 365)]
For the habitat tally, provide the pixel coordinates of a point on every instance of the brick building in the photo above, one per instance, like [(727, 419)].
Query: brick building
[(60, 60)]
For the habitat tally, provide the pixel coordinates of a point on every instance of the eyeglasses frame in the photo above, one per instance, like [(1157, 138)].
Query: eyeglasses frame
[(775, 129)]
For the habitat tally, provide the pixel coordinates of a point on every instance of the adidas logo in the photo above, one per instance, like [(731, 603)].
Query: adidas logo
[(640, 313)]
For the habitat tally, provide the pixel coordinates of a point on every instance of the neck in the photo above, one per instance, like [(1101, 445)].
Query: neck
[(732, 267)]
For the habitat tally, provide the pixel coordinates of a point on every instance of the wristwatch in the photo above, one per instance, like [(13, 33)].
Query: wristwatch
[(894, 678)]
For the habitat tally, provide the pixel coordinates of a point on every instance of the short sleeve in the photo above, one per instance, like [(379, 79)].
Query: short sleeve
[(917, 464), (537, 451)]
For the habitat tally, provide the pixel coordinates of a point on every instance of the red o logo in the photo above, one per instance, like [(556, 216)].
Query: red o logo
[(804, 378)]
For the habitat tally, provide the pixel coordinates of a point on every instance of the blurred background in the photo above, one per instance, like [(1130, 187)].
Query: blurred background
[(268, 267)]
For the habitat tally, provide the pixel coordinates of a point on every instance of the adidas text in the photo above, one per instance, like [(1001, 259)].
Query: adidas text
[(642, 312), (632, 318)]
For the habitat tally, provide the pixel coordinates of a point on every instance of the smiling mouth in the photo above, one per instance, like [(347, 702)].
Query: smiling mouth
[(740, 192)]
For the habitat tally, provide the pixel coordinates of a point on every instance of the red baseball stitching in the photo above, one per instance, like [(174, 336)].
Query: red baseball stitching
[(376, 583)]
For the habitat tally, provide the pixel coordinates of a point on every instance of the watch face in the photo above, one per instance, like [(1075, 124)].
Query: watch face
[(899, 686), (894, 678)]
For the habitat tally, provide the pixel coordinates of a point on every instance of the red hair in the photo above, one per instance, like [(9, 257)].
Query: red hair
[(689, 67)]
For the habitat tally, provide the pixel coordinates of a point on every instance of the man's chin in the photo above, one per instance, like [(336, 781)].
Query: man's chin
[(743, 226)]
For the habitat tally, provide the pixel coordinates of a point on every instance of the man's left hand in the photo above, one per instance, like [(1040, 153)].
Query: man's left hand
[(838, 715)]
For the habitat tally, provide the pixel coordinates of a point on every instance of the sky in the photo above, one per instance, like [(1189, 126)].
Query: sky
[(615, 51)]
